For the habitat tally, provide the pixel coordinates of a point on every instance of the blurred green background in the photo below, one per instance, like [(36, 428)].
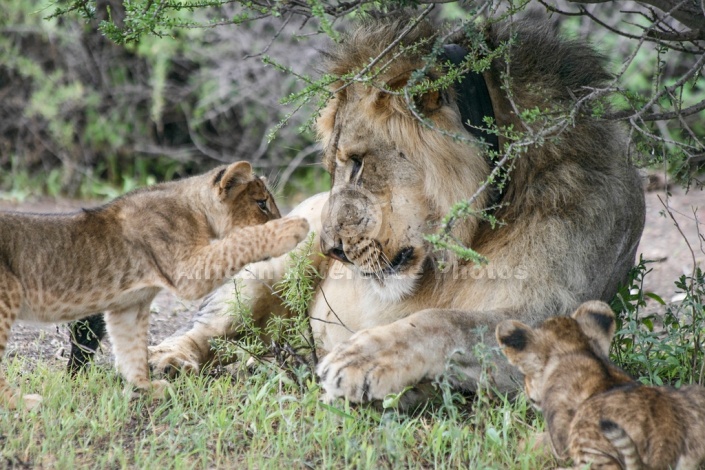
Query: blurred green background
[(81, 116)]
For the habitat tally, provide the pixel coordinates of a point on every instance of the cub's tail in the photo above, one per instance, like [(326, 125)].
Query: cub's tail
[(624, 445)]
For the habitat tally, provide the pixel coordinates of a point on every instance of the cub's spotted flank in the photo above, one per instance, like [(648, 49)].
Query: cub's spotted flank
[(186, 236), (595, 413)]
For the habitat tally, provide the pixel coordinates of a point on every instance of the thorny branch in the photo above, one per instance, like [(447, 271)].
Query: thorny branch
[(660, 41)]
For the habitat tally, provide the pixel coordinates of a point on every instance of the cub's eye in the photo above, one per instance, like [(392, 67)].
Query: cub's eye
[(262, 204)]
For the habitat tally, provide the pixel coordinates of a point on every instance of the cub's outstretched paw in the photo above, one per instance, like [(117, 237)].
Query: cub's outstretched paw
[(171, 358), (290, 232), (369, 366)]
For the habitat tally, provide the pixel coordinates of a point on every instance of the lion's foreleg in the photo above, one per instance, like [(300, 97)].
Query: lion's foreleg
[(419, 348), (190, 348)]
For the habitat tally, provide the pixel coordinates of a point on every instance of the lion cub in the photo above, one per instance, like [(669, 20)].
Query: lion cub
[(187, 236), (595, 413)]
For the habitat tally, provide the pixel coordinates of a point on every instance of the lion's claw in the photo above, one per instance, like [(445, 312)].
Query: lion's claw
[(367, 367)]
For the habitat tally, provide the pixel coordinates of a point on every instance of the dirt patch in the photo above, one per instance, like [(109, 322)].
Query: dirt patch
[(661, 242), (664, 243)]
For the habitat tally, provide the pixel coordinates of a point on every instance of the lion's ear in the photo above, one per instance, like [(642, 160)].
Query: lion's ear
[(428, 103), (230, 181), (431, 101), (596, 320), (517, 341)]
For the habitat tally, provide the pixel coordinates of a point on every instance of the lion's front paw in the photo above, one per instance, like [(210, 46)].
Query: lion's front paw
[(369, 366), (171, 358)]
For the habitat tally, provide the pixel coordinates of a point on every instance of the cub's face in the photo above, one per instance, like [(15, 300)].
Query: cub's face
[(242, 197), (536, 352)]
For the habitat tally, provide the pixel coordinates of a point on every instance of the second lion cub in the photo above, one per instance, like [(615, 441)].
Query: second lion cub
[(186, 236), (595, 413)]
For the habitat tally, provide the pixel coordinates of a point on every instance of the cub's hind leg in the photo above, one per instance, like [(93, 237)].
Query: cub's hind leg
[(86, 336), (128, 331), (11, 294)]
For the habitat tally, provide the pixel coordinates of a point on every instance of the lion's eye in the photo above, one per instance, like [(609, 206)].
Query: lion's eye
[(262, 204), (356, 166)]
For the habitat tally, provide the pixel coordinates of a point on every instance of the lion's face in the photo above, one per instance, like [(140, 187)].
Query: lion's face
[(378, 212), (394, 177)]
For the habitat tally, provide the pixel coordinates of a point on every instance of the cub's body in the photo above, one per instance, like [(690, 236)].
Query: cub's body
[(67, 266), (595, 413), (665, 428), (186, 236)]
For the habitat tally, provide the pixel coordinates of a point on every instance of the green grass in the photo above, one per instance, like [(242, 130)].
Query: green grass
[(268, 417), (261, 420), (271, 416)]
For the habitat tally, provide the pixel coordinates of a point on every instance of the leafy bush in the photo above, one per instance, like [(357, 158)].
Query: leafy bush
[(661, 348), (285, 341), (92, 110)]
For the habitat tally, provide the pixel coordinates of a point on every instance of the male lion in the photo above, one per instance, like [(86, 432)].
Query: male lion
[(385, 313)]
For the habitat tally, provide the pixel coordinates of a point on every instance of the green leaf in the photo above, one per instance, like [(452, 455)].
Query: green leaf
[(655, 297)]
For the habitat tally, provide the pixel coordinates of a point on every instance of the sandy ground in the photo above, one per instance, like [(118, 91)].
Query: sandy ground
[(662, 242), (673, 252)]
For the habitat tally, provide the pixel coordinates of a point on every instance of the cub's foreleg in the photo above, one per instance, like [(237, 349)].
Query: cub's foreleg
[(11, 294), (128, 329), (202, 272), (189, 349)]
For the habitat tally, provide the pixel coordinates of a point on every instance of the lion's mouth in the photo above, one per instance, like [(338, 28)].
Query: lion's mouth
[(397, 264)]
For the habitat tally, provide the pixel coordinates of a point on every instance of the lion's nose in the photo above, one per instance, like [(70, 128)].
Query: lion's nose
[(337, 252)]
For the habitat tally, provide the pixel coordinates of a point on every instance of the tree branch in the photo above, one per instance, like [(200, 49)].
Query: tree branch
[(689, 13)]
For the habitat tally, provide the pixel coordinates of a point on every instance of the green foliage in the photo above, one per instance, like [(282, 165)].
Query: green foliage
[(259, 421), (304, 181), (95, 114), (287, 338), (646, 69), (665, 348), (444, 239), (296, 288)]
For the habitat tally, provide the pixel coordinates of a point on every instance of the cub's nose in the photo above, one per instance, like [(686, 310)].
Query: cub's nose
[(337, 252)]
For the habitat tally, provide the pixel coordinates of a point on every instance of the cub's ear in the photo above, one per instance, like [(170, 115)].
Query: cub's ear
[(230, 181), (597, 322), (517, 341)]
